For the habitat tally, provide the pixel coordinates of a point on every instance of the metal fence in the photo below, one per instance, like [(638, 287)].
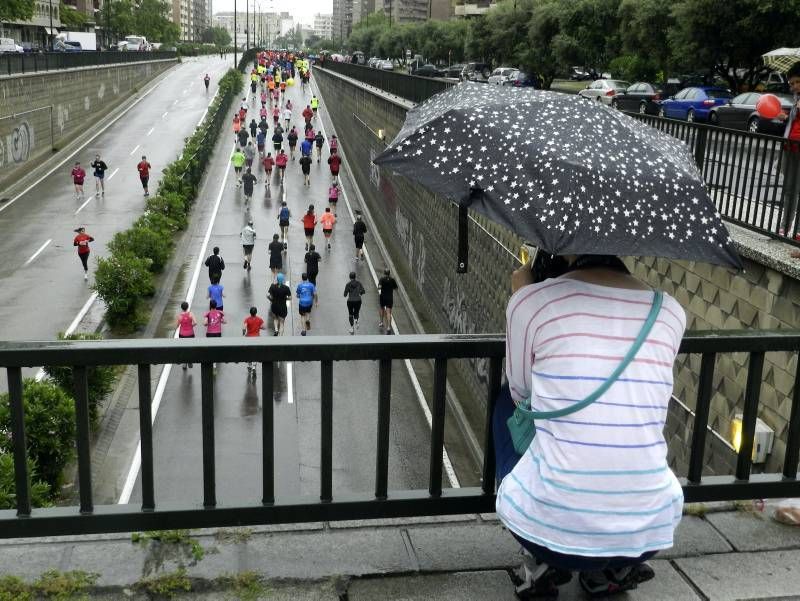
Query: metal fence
[(15, 64), (410, 87), (743, 170), (434, 500)]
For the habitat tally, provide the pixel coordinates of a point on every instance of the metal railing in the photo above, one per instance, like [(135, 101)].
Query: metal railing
[(410, 87), (88, 518), (15, 64)]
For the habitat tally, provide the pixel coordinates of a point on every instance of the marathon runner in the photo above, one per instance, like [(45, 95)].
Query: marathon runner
[(278, 294), (306, 299), (353, 291)]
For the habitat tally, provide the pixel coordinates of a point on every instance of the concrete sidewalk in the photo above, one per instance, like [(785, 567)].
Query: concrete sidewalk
[(722, 555)]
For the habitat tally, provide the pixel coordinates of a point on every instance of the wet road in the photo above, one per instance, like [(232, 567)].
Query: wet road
[(43, 287), (177, 431)]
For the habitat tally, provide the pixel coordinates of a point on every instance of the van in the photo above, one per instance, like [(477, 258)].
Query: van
[(476, 72), (137, 42), (9, 45)]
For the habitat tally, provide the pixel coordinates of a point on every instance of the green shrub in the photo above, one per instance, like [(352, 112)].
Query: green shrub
[(122, 281), (64, 586), (101, 378), (13, 588), (49, 427), (40, 491), (143, 242), (170, 205)]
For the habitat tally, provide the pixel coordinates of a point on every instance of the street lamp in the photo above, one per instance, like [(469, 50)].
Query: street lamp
[(50, 37), (235, 31), (246, 25)]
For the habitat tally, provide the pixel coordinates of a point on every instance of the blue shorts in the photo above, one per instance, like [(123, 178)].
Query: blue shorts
[(305, 309), (99, 174)]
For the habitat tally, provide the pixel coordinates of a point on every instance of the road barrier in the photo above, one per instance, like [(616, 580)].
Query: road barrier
[(31, 62), (325, 350), (741, 169)]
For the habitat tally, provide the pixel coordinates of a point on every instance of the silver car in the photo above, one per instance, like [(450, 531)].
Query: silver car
[(386, 65), (500, 75), (603, 90)]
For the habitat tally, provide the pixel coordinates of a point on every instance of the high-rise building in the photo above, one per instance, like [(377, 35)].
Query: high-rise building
[(471, 8), (414, 11), (362, 8), (342, 19), (323, 26), (264, 27), (35, 33), (191, 16)]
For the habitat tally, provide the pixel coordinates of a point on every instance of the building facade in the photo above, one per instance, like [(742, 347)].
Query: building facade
[(342, 19), (35, 33), (191, 16), (323, 26), (263, 27)]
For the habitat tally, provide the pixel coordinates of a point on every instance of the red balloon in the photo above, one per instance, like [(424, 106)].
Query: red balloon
[(769, 106)]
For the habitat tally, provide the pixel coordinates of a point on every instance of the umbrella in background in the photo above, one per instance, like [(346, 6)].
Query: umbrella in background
[(781, 59), (567, 175)]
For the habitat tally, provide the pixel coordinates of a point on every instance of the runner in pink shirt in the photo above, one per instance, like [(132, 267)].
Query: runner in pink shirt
[(213, 321), (327, 220), (186, 323)]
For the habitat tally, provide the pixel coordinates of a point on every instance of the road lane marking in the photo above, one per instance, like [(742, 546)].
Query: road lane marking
[(81, 147), (86, 202), (136, 463), (447, 464), (289, 366), (36, 254), (205, 112), (73, 326), (174, 102), (134, 150), (113, 173), (151, 131), (165, 114)]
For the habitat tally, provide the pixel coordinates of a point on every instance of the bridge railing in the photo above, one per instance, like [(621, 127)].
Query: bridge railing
[(269, 509), (743, 170), (31, 62)]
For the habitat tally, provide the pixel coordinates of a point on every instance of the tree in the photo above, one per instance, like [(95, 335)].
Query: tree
[(70, 18), (218, 36), (16, 10), (149, 19), (723, 36), (644, 27)]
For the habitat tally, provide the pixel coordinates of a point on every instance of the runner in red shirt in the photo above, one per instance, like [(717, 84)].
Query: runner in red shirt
[(252, 327), (308, 114), (82, 242), (144, 173), (268, 163), (309, 222), (335, 161), (281, 161), (78, 175)]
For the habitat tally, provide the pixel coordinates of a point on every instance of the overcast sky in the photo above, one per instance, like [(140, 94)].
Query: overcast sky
[(302, 10)]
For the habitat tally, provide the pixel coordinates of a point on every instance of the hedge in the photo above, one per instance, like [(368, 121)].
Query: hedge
[(125, 278)]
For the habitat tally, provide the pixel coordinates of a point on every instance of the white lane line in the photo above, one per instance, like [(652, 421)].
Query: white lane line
[(174, 102), (36, 254), (136, 462), (165, 114), (113, 173), (448, 465), (86, 202), (205, 112), (151, 130), (77, 150), (134, 150), (73, 326), (185, 91), (289, 366)]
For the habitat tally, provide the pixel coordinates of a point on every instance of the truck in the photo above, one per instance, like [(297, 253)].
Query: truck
[(87, 40)]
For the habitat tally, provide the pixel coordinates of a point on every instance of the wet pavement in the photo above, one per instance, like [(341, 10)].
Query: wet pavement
[(177, 431)]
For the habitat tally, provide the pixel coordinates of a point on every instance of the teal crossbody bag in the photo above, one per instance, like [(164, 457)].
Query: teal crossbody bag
[(521, 423)]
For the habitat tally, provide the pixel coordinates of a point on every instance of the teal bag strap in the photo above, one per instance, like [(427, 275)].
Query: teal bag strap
[(658, 299)]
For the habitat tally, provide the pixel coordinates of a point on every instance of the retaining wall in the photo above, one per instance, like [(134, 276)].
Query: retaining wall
[(43, 111), (420, 232)]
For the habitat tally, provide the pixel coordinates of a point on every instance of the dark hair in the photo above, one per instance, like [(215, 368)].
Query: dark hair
[(312, 247), (274, 236), (304, 276), (212, 304), (386, 272), (794, 71), (184, 305), (215, 250), (352, 275), (253, 310), (215, 279)]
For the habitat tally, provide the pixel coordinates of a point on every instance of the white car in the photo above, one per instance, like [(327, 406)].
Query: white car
[(500, 75), (386, 65), (9, 45), (604, 90)]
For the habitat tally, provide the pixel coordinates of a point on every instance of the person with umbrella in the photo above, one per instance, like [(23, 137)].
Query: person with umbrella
[(590, 349), (790, 159)]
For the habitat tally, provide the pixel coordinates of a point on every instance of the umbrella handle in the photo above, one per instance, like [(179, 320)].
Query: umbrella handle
[(463, 239)]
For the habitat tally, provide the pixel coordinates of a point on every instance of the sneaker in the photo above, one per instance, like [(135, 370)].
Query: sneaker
[(303, 333), (184, 366), (352, 330), (191, 365), (248, 266), (356, 325), (285, 246), (306, 245), (329, 245), (600, 583), (380, 324), (244, 265), (389, 331), (275, 332), (85, 275), (543, 583)]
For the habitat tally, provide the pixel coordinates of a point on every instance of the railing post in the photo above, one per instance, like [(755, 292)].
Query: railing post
[(700, 146), (384, 411), (488, 475), (267, 434), (209, 469), (22, 478), (792, 455), (146, 437), (81, 389), (704, 390), (437, 426), (326, 432), (750, 414)]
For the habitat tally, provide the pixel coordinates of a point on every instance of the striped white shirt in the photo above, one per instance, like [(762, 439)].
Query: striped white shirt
[(595, 482)]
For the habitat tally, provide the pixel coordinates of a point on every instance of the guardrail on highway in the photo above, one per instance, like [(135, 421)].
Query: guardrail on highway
[(742, 169), (434, 500), (31, 62)]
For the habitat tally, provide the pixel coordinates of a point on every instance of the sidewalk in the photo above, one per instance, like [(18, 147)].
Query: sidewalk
[(723, 555)]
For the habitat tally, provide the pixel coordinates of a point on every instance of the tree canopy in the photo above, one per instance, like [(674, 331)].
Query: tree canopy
[(143, 17), (16, 10)]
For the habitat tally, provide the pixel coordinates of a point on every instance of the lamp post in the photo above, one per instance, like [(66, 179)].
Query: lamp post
[(246, 25), (50, 36), (235, 31), (108, 25)]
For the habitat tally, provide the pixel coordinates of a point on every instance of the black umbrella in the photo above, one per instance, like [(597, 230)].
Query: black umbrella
[(568, 175)]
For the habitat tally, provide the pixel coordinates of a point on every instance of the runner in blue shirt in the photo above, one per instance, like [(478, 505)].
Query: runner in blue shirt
[(306, 148), (306, 298), (215, 292)]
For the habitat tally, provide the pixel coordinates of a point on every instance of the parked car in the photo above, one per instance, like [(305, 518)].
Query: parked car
[(740, 113), (372, 61), (500, 75), (520, 79), (579, 74), (641, 97), (137, 43), (66, 46), (8, 45), (453, 70), (603, 90), (476, 72), (427, 71), (694, 104), (386, 64)]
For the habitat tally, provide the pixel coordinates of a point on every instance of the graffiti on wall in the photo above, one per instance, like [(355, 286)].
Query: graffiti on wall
[(16, 147), (413, 244), (456, 309), (374, 170)]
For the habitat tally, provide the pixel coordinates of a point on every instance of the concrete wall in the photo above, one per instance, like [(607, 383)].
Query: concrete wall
[(42, 110), (420, 232)]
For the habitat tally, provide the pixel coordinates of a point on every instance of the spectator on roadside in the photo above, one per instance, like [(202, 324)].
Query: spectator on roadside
[(790, 161)]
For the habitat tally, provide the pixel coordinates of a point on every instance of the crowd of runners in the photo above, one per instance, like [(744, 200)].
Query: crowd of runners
[(269, 114)]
